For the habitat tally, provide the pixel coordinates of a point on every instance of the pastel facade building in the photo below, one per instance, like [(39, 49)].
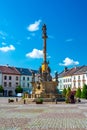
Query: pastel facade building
[(25, 79), (9, 78), (0, 78)]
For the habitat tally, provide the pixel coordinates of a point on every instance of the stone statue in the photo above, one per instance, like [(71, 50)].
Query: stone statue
[(33, 76), (56, 76)]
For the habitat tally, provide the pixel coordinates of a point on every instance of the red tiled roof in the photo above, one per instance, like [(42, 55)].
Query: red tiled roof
[(9, 70), (81, 71), (72, 71), (69, 72)]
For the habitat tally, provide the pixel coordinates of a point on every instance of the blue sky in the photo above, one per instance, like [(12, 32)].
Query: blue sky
[(21, 40)]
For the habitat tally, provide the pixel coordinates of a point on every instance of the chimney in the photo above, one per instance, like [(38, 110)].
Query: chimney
[(65, 69)]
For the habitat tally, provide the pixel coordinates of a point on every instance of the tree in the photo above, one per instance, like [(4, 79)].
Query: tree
[(78, 93), (19, 89), (68, 94), (1, 89), (84, 91), (64, 92)]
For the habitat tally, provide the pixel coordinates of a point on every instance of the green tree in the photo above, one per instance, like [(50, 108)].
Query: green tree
[(64, 92), (84, 91), (68, 93), (19, 89), (1, 89), (78, 93)]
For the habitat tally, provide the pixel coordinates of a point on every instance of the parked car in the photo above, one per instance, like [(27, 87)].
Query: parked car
[(19, 95)]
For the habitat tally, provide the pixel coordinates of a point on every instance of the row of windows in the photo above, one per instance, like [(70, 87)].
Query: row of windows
[(65, 80), (24, 85), (79, 77), (69, 79), (9, 84), (65, 86), (79, 84), (9, 77), (25, 78)]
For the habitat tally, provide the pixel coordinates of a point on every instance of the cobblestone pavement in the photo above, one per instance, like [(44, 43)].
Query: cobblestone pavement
[(14, 116)]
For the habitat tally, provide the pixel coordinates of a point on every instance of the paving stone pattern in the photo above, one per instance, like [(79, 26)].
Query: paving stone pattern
[(15, 116)]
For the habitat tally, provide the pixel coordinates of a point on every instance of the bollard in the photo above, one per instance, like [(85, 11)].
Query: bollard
[(16, 99), (24, 101), (56, 100)]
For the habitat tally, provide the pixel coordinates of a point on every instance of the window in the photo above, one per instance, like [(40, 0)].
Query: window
[(27, 78), (9, 77), (83, 76), (28, 85), (23, 78), (5, 77), (10, 85), (64, 80), (60, 81), (70, 80), (78, 84), (16, 77), (16, 84), (70, 85), (74, 84), (78, 77), (23, 84), (5, 84), (74, 77)]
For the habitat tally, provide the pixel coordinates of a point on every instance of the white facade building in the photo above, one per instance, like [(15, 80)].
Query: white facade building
[(79, 78), (73, 78)]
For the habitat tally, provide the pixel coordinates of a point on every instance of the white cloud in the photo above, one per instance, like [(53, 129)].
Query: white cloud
[(34, 26), (69, 40), (3, 43), (35, 54), (3, 35), (7, 48), (68, 62)]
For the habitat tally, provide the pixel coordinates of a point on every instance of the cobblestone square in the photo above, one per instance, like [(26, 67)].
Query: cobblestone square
[(47, 116)]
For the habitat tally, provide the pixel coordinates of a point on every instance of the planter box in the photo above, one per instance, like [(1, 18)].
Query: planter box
[(39, 102), (10, 100)]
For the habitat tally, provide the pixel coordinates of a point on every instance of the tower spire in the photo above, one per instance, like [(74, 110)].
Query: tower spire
[(44, 36)]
